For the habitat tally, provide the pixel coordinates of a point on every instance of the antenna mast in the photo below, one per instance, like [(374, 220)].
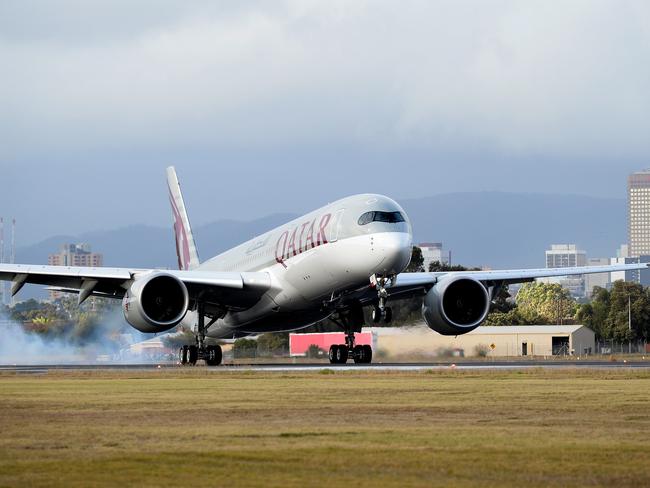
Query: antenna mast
[(13, 249)]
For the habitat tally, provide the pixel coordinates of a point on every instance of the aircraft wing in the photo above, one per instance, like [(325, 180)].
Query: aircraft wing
[(227, 289), (405, 283), (411, 284)]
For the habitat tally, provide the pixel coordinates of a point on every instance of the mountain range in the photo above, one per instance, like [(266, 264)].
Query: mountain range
[(491, 229)]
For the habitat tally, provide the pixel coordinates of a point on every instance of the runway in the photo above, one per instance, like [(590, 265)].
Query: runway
[(318, 367)]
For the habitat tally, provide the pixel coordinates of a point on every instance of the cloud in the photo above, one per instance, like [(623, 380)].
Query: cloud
[(516, 78)]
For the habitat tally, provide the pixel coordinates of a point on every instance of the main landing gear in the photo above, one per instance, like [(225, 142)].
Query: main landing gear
[(339, 353), (191, 354), (211, 354), (351, 321)]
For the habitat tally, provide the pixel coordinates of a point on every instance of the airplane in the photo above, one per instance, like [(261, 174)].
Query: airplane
[(329, 263)]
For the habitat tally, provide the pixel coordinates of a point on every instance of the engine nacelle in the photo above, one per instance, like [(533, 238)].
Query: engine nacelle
[(155, 303), (455, 305)]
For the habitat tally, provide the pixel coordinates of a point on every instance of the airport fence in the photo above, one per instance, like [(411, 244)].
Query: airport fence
[(630, 347), (255, 353)]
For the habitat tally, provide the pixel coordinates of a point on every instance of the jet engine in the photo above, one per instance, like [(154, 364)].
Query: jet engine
[(155, 303), (455, 305)]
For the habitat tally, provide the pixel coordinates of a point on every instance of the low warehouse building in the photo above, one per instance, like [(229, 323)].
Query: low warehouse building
[(524, 340)]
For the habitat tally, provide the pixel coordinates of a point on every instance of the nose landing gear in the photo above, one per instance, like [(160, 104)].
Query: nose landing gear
[(381, 312)]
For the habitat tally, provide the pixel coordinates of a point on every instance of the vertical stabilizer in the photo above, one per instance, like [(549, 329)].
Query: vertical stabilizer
[(188, 257)]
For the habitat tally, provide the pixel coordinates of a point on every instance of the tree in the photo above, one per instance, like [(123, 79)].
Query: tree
[(628, 298), (608, 314), (417, 261), (244, 348), (273, 343), (313, 351), (512, 317), (183, 337), (594, 315), (548, 301), (437, 266)]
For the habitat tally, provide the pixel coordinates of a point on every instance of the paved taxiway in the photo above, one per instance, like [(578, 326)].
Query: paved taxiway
[(315, 367)]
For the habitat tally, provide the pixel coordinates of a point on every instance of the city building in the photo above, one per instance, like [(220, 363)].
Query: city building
[(637, 276), (432, 252), (638, 192), (567, 256), (74, 255), (601, 280)]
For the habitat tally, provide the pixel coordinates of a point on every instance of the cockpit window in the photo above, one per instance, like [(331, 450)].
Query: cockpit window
[(390, 217)]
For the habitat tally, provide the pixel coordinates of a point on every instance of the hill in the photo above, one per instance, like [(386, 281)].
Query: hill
[(499, 230)]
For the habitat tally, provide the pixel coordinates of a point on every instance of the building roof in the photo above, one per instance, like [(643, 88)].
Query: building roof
[(527, 329), (488, 329)]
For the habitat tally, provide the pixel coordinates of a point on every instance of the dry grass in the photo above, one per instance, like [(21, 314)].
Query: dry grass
[(191, 427)]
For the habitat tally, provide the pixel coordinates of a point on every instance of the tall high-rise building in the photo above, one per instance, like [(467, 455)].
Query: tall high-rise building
[(638, 196)]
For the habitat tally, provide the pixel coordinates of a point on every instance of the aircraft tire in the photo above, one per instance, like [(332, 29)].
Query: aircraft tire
[(333, 353), (358, 354), (376, 314), (192, 355), (182, 355), (368, 354), (388, 315), (213, 355), (342, 354)]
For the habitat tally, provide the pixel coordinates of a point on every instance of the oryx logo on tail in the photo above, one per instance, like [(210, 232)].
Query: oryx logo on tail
[(186, 252)]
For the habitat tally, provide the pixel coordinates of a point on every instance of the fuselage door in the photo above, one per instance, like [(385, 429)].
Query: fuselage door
[(336, 226)]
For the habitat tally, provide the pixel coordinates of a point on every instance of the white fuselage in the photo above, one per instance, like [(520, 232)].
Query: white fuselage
[(312, 259)]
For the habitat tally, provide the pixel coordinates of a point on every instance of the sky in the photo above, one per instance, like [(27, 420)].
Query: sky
[(283, 106)]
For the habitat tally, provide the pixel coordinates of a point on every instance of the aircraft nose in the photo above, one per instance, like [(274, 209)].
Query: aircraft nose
[(395, 247)]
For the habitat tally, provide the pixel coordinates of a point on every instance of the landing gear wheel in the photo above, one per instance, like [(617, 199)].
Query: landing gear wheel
[(338, 354), (368, 354), (376, 314), (388, 315), (362, 354), (213, 355), (332, 353), (342, 354), (182, 355), (358, 354), (192, 355)]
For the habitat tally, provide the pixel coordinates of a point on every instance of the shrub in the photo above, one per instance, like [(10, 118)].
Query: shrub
[(315, 352), (481, 350), (245, 348)]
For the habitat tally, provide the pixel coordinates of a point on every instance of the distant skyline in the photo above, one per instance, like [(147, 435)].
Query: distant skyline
[(268, 107)]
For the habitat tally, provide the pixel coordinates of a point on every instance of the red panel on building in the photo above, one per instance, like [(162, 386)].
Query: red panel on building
[(299, 343)]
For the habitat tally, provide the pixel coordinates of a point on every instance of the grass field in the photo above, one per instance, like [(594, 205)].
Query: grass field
[(201, 428)]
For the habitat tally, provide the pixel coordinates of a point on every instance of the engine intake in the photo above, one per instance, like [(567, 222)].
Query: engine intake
[(155, 303), (456, 305)]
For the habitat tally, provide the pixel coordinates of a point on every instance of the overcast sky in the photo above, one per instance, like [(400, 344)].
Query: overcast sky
[(283, 106)]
